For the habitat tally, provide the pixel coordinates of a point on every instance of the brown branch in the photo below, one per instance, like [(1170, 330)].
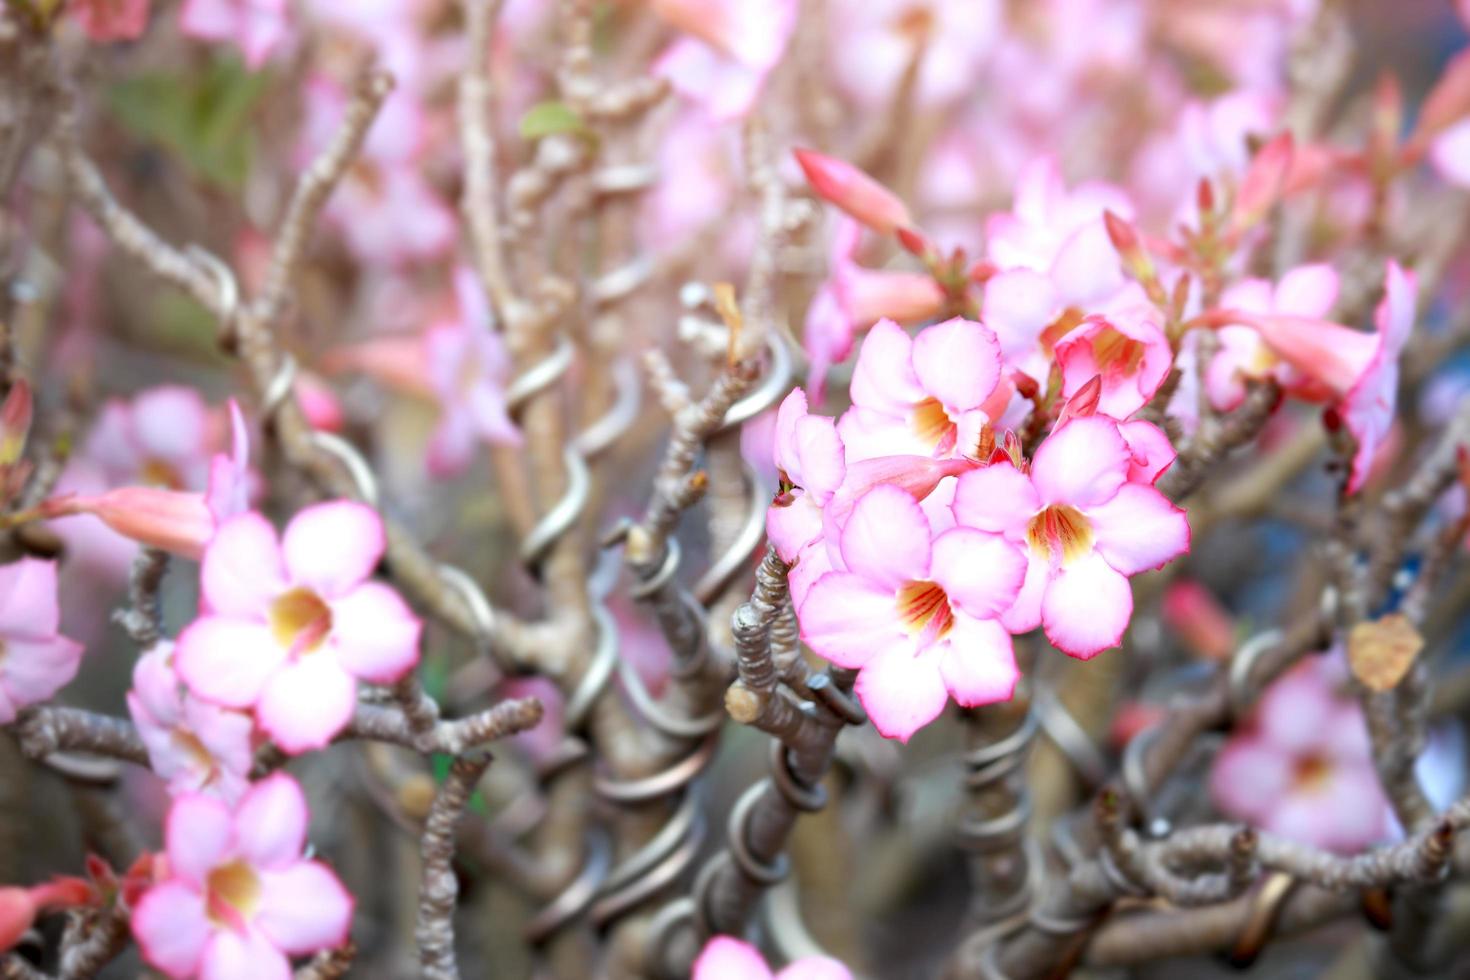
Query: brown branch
[(438, 888), (44, 729)]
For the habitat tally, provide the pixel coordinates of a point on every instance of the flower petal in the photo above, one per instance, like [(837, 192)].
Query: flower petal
[(28, 599), (171, 927), (242, 569), (886, 537), (997, 498), (728, 958), (304, 908), (981, 573), (815, 968), (375, 634), (197, 835), (1250, 776), (958, 362), (247, 955), (849, 619), (1307, 290), (270, 822), (1083, 463), (902, 692), (333, 546), (1139, 529), (979, 666), (227, 661), (33, 670), (884, 379), (305, 704), (1086, 607)]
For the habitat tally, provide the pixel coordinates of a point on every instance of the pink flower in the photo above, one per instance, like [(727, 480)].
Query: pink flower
[(1303, 768), (1127, 349), (1306, 291), (728, 958), (1368, 409), (111, 20), (739, 43), (873, 41), (810, 462), (915, 612), (390, 215), (35, 660), (469, 368), (927, 396), (161, 438), (1086, 528), (195, 746), (291, 624), (240, 899), (256, 26)]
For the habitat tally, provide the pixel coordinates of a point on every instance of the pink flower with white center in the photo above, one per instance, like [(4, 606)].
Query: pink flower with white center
[(810, 462), (256, 26), (854, 298), (163, 437), (915, 612), (1085, 527), (111, 20), (469, 368), (1149, 447), (738, 43), (1303, 768), (195, 746), (873, 41), (1368, 409), (291, 624), (1306, 291), (728, 958), (240, 899), (35, 660), (1126, 348), (929, 395)]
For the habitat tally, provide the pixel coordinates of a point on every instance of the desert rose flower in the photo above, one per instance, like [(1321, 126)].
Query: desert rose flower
[(1306, 291), (929, 395), (240, 899), (197, 747), (915, 613), (728, 958), (1368, 409), (810, 463), (1126, 349), (291, 624), (35, 660), (1085, 526), (1303, 768), (734, 46)]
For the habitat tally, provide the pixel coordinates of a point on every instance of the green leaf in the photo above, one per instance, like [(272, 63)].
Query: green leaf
[(204, 118), (548, 119)]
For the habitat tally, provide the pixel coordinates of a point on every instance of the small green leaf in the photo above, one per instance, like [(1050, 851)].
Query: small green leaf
[(548, 119)]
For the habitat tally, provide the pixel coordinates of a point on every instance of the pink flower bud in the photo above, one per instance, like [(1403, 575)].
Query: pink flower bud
[(1263, 183), (844, 185), (174, 521), (1193, 612), (869, 295), (17, 912)]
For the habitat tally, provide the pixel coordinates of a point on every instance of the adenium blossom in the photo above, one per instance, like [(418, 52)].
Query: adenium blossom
[(1368, 409), (929, 395), (197, 747), (35, 660), (255, 26), (291, 624), (810, 462), (1126, 349), (111, 20), (734, 46), (240, 899), (1303, 768), (1307, 291), (1085, 526), (873, 42), (915, 612), (728, 958)]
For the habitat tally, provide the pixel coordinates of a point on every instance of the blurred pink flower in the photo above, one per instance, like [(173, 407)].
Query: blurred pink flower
[(35, 660), (809, 459), (873, 41), (1368, 409), (240, 899), (738, 43), (255, 26), (390, 215), (111, 20), (728, 958), (290, 625), (929, 395), (1303, 768), (196, 746), (1086, 528), (915, 612)]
